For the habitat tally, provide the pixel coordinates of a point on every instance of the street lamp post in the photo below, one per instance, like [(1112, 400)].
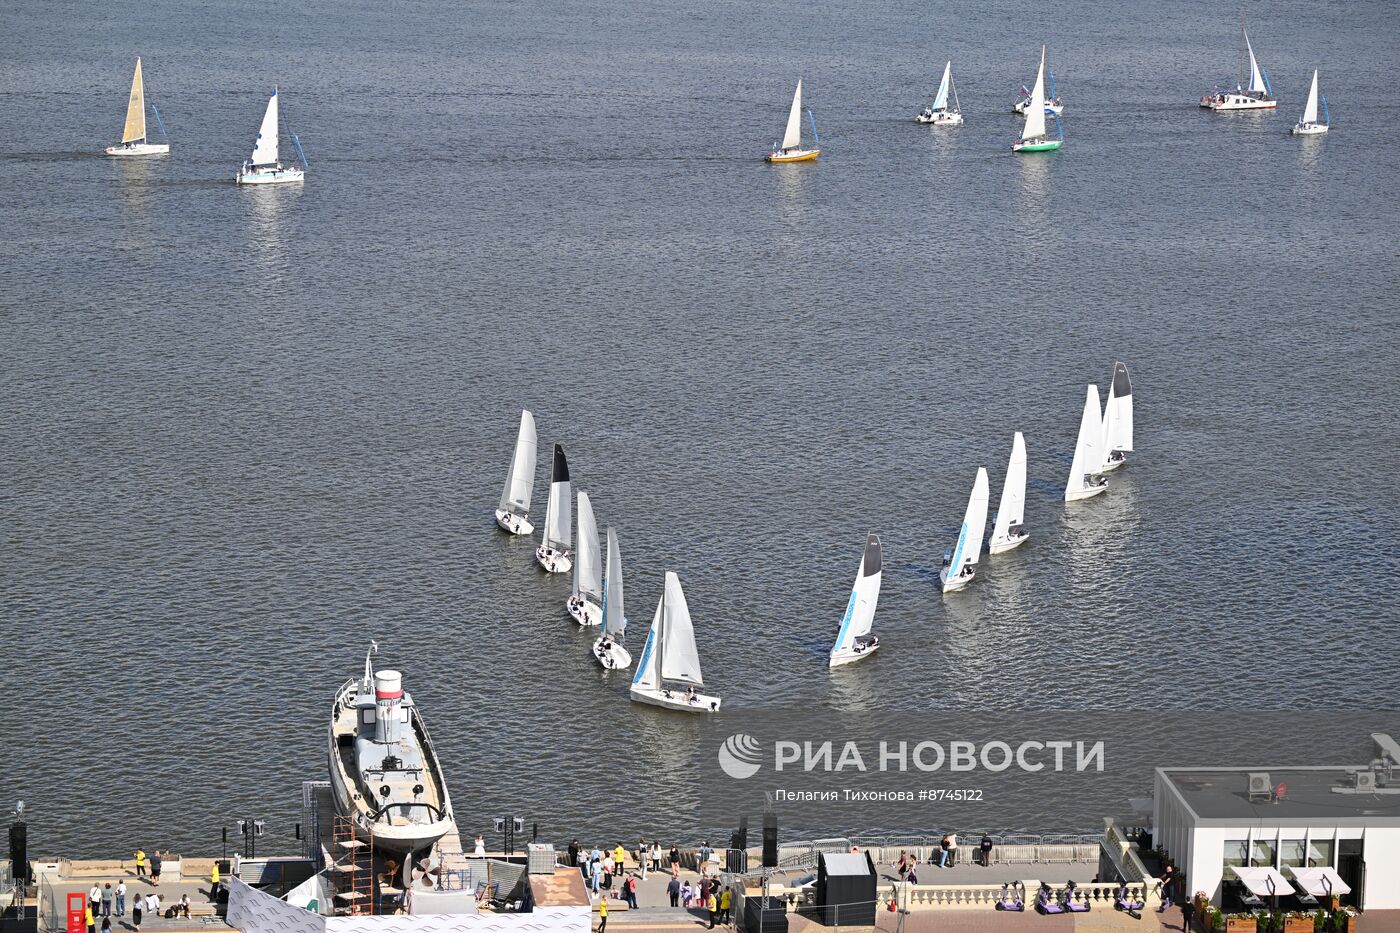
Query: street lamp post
[(508, 826)]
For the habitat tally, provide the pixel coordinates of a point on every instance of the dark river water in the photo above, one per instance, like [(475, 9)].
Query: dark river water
[(243, 432)]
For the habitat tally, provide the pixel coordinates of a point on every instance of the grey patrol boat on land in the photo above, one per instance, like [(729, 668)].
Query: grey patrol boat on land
[(384, 772)]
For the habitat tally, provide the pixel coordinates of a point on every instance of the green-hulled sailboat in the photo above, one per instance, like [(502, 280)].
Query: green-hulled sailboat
[(1033, 134)]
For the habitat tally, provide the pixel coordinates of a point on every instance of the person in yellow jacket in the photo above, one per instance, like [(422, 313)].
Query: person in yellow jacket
[(89, 919), (712, 905), (140, 863), (619, 857), (602, 913), (214, 882), (724, 904)]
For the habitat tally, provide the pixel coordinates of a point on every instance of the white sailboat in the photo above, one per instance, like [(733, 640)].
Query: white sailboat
[(960, 563), (1009, 529), (608, 649), (1034, 137), (1085, 478), (1050, 103), (513, 514), (1309, 125), (586, 601), (554, 553), (264, 167), (791, 149), (854, 640), (134, 130), (1257, 96), (670, 658), (938, 113), (1118, 420)]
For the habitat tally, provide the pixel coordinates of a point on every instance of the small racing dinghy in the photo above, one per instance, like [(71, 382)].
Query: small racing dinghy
[(1034, 136), (668, 674), (585, 603), (134, 141), (264, 167), (608, 649), (938, 113), (1118, 420), (1009, 529), (791, 149), (554, 553), (960, 563), (1257, 96), (1085, 476), (1309, 125), (384, 772), (513, 515), (854, 639)]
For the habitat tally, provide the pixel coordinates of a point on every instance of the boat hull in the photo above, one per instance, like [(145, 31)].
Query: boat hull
[(1089, 493), (1310, 129), (1056, 109), (794, 155), (941, 118), (1113, 464), (1225, 102), (584, 612), (139, 149), (675, 700), (553, 561), (1008, 545), (842, 658), (515, 524), (1044, 145), (614, 657), (956, 583), (278, 176)]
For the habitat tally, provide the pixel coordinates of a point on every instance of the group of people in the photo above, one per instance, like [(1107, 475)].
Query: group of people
[(708, 894), (107, 901), (906, 866)]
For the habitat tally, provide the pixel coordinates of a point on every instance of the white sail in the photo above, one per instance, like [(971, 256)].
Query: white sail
[(588, 561), (558, 524), (614, 621), (1118, 413), (1256, 77), (648, 676), (860, 610), (680, 660), (792, 138), (1035, 110), (974, 527), (135, 128), (1011, 511), (941, 101), (265, 148), (520, 481), (1310, 111), (1088, 454)]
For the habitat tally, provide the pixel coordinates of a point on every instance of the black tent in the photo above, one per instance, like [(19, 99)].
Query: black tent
[(846, 889), (765, 915)]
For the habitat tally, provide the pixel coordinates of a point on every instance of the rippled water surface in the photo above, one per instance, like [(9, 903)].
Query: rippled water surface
[(245, 431)]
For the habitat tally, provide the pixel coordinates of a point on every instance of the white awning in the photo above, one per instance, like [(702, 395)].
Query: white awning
[(1319, 882), (1265, 882)]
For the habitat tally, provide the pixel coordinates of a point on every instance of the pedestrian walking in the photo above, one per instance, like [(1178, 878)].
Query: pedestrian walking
[(643, 856), (602, 914), (155, 868), (136, 910), (140, 863), (986, 848), (687, 896), (595, 868), (675, 861), (913, 877), (214, 882), (1188, 910), (673, 891), (121, 899)]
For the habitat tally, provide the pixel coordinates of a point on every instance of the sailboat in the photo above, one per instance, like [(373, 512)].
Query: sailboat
[(791, 150), (1033, 136), (1053, 104), (1258, 96), (1009, 529), (938, 113), (960, 563), (554, 553), (608, 649), (1308, 126), (586, 601), (1085, 478), (263, 167), (134, 131), (513, 514), (670, 658), (853, 639), (1118, 420)]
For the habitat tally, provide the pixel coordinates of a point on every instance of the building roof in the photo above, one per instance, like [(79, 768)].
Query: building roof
[(846, 864), (564, 888), (1313, 796)]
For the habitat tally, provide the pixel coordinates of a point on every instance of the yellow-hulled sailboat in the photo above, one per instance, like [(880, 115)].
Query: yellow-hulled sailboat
[(791, 150), (134, 132)]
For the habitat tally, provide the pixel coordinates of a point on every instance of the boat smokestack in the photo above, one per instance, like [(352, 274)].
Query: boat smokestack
[(388, 695)]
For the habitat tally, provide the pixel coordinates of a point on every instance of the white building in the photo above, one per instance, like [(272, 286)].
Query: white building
[(1343, 822)]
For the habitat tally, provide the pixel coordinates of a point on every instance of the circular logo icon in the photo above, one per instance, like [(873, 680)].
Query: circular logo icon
[(740, 756)]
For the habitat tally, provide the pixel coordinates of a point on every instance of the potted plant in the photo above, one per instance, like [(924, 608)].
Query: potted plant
[(1297, 923), (1319, 919), (1241, 923), (1216, 923)]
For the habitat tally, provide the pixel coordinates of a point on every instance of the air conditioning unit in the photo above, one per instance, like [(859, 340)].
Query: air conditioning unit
[(1260, 785), (1364, 781), (541, 860)]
